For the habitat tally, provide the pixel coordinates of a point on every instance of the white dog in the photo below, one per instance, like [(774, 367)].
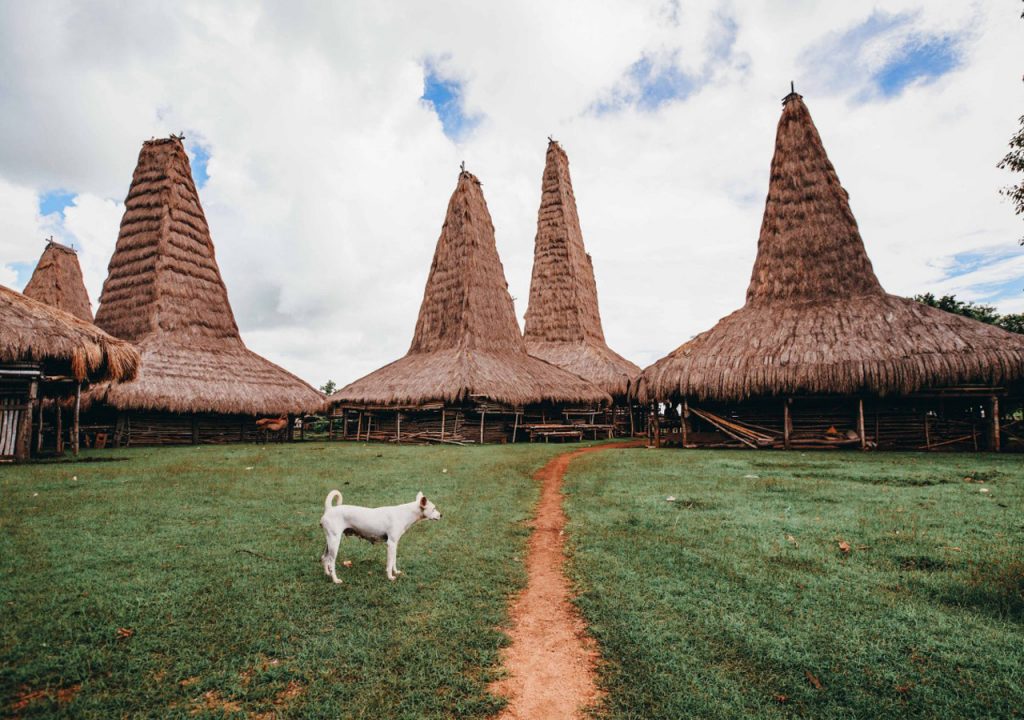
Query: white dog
[(373, 524)]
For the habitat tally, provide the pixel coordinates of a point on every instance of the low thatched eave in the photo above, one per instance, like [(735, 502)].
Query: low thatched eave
[(32, 331)]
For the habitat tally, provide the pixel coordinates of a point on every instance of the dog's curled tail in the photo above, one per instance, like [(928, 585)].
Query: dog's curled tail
[(330, 496)]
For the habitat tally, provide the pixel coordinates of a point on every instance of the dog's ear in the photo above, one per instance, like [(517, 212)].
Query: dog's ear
[(422, 498)]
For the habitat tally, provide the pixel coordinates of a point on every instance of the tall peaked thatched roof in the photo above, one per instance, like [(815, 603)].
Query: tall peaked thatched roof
[(816, 318), (33, 331), (467, 343), (57, 281), (563, 322), (164, 292)]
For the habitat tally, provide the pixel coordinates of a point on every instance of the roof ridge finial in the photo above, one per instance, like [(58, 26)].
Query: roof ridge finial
[(793, 94), (462, 167)]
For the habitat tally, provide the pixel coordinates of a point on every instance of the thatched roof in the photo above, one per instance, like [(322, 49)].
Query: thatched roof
[(816, 319), (467, 343), (164, 293), (32, 331), (57, 281), (563, 322)]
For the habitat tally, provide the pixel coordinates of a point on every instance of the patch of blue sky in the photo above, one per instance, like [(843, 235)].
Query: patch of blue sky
[(656, 79), (200, 157), (843, 61), (919, 59), (445, 96), (55, 201), (650, 83), (22, 272), (968, 262)]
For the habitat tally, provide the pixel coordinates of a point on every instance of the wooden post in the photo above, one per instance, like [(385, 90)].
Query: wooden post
[(483, 414), (302, 429), (359, 425), (632, 427), (330, 427), (60, 429), (23, 439), (860, 424), (657, 427), (682, 420), (515, 428), (927, 434), (39, 427), (442, 421), (995, 424), (398, 424), (75, 424), (290, 432), (787, 424)]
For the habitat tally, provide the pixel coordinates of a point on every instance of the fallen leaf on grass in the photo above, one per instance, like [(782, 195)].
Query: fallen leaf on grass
[(813, 680), (346, 563), (791, 539), (124, 633), (844, 547), (212, 701), (670, 498), (25, 696), (984, 490), (292, 691), (904, 689), (781, 699)]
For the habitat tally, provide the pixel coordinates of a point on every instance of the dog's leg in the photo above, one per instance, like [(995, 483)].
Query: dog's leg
[(333, 541), (392, 568)]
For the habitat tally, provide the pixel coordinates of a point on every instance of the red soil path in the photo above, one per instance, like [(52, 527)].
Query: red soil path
[(551, 660)]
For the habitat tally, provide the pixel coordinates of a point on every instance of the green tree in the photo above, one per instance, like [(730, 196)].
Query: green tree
[(1013, 323), (975, 311), (328, 387), (1014, 162)]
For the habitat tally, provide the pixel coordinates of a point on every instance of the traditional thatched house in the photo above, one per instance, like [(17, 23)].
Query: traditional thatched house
[(467, 376), (563, 322), (45, 352), (198, 382), (57, 281), (821, 355)]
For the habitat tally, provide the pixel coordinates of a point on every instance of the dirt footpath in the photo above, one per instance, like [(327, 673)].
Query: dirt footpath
[(551, 660)]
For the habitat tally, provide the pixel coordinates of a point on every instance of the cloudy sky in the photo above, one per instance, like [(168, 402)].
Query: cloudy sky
[(326, 140)]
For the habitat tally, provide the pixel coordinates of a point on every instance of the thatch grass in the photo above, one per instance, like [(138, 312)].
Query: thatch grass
[(57, 281), (563, 320), (467, 343), (32, 331), (816, 318), (164, 292)]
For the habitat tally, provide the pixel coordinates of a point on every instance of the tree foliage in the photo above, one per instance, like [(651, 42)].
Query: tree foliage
[(976, 311), (1014, 162), (328, 387)]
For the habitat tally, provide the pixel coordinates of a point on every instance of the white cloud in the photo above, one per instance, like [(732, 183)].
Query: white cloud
[(329, 178)]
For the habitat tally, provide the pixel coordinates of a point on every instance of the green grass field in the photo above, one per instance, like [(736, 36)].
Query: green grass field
[(209, 557), (735, 600)]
